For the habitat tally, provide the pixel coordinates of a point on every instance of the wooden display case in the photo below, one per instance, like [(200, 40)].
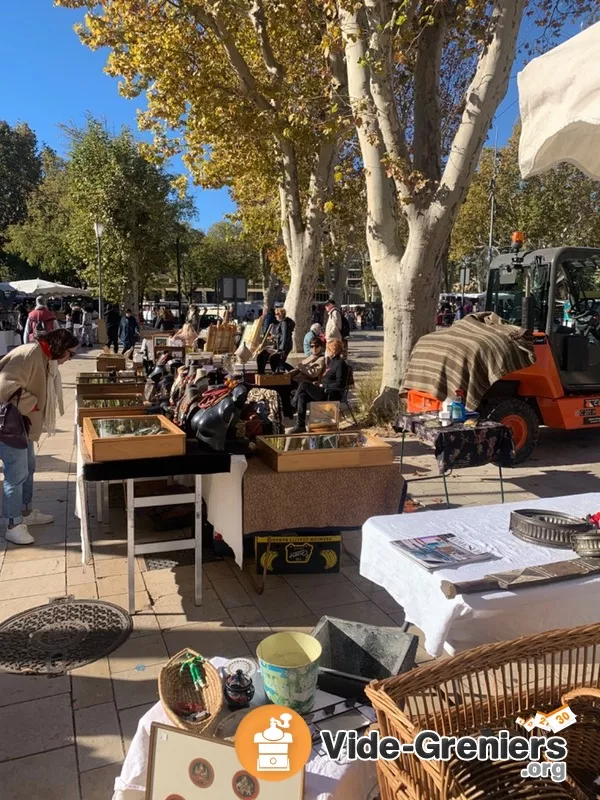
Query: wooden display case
[(104, 363), (124, 404), (97, 385), (303, 451), (279, 379), (104, 442)]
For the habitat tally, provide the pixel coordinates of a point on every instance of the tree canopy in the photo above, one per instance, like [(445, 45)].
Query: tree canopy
[(20, 172)]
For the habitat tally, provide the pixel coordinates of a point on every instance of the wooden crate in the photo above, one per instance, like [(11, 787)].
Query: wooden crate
[(279, 379), (373, 452), (110, 389), (97, 412), (105, 363), (125, 448)]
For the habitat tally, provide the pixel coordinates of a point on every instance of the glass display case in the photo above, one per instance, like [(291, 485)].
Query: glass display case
[(323, 417), (310, 451), (99, 384), (129, 437), (109, 406)]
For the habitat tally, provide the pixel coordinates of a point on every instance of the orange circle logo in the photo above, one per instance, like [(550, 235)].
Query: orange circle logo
[(273, 743)]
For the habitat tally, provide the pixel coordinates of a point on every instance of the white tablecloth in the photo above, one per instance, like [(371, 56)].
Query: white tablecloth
[(473, 619), (324, 779)]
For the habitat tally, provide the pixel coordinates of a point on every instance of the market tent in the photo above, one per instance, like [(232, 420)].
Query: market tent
[(38, 286), (6, 287), (559, 97)]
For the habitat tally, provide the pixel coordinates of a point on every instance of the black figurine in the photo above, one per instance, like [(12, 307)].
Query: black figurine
[(239, 690)]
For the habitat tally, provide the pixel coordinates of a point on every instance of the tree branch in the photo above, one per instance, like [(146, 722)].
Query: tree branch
[(427, 115), (382, 228), (215, 25), (259, 23), (378, 17), (484, 95)]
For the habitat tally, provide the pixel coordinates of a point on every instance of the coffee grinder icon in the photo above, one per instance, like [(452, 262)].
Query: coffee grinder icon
[(273, 746)]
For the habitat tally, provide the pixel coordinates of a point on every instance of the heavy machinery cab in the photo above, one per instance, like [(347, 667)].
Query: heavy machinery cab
[(563, 287)]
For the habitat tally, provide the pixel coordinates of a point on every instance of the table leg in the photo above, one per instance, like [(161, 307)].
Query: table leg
[(501, 482), (131, 545), (99, 514), (106, 500), (198, 535), (446, 490), (402, 449)]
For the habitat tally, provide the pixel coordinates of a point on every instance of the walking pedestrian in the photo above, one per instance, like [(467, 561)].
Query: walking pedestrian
[(128, 331), (112, 318), (86, 327), (40, 320)]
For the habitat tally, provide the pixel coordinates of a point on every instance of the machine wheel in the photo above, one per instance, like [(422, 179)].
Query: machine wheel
[(522, 420)]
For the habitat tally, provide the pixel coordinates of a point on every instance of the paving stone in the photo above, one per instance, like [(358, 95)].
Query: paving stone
[(384, 600), (32, 569), (302, 624), (231, 593), (33, 552), (129, 719), (173, 610), (216, 642), (50, 585), (91, 684), (98, 784), (80, 575), (46, 776), (321, 598), (281, 603), (84, 591), (134, 687), (144, 651), (16, 688), (142, 600), (35, 726), (97, 737), (366, 612), (250, 623), (9, 608)]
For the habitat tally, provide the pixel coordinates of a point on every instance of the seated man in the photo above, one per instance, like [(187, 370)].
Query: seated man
[(331, 386), (312, 368)]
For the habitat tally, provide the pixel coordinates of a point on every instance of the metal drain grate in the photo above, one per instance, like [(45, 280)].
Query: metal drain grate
[(62, 635)]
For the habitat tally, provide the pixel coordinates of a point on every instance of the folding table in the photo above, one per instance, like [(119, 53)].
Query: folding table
[(195, 462)]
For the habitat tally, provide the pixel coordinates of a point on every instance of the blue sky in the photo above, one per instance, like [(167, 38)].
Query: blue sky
[(47, 77)]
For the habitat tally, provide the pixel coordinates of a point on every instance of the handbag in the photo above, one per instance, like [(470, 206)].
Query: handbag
[(13, 431)]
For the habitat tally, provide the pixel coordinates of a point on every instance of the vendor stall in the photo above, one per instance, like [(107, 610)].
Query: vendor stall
[(466, 620)]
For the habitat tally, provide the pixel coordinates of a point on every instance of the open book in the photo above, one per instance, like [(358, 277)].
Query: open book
[(445, 550)]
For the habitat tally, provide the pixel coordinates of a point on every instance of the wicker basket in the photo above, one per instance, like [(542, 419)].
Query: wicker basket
[(485, 690), (176, 687)]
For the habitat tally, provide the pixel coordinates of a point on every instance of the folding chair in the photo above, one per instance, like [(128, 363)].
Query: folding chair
[(344, 399)]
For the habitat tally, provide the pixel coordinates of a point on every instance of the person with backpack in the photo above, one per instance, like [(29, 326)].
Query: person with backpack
[(338, 327), (40, 320)]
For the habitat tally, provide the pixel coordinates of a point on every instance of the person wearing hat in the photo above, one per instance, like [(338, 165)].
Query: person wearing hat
[(40, 320), (315, 332)]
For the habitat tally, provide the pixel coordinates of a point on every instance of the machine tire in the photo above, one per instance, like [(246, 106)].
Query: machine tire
[(521, 418)]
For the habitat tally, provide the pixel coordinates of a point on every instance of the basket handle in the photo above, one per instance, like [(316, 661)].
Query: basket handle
[(581, 691)]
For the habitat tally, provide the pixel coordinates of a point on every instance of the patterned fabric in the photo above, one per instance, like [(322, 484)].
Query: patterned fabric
[(457, 446), (471, 355), (273, 401)]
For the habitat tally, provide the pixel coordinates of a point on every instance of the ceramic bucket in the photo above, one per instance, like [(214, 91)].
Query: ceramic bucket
[(289, 667)]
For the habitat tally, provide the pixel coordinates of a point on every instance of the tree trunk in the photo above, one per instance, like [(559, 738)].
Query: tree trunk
[(409, 286), (298, 303), (270, 282)]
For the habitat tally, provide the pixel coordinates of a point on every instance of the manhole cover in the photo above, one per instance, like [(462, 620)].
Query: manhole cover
[(62, 635)]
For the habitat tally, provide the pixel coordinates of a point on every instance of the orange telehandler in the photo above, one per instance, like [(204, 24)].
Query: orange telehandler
[(556, 294)]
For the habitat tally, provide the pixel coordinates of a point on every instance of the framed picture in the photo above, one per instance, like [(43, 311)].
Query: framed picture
[(161, 341), (181, 762)]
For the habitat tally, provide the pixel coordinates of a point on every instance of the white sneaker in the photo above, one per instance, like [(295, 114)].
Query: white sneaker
[(36, 517), (19, 535)]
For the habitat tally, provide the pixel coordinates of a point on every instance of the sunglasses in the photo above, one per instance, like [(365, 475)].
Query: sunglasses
[(71, 354)]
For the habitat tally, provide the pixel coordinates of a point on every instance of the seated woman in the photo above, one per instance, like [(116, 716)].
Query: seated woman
[(315, 331), (311, 368), (331, 386)]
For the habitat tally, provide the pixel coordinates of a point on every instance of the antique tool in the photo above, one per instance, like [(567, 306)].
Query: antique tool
[(524, 578)]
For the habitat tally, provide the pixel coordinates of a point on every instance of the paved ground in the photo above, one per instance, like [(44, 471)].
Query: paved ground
[(65, 738)]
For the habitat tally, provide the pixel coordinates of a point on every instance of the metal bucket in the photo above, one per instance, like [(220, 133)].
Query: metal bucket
[(289, 667)]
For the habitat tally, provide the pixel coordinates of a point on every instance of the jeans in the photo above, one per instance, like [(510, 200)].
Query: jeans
[(112, 336), (17, 490), (306, 392)]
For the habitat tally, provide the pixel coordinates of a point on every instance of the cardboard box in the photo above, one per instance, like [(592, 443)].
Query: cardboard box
[(296, 554)]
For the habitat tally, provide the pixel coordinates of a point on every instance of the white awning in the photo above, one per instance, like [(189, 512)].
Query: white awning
[(559, 98), (38, 286)]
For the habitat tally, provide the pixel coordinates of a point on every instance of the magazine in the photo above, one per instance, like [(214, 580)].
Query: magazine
[(445, 550)]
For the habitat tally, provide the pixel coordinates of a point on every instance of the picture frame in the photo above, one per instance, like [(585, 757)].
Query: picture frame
[(181, 762)]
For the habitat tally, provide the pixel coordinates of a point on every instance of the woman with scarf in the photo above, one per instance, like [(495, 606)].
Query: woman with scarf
[(29, 378)]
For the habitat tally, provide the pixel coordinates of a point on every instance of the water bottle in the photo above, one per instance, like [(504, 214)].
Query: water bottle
[(458, 412)]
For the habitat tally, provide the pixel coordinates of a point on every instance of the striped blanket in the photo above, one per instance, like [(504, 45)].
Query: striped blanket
[(470, 355)]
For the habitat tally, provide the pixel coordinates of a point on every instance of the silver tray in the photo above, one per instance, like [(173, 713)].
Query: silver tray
[(547, 528)]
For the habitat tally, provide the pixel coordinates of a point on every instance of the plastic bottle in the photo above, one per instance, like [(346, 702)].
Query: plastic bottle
[(446, 412), (458, 412)]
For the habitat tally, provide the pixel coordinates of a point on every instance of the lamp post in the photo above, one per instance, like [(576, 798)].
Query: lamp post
[(99, 230), (178, 254)]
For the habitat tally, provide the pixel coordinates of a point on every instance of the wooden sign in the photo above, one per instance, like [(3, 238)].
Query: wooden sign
[(297, 554)]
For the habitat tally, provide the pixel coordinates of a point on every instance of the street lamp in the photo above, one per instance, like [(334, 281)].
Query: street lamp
[(99, 230)]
